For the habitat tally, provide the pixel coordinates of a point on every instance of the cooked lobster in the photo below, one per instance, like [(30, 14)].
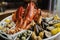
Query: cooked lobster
[(23, 17)]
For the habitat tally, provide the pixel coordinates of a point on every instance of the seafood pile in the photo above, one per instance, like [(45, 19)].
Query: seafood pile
[(6, 24), (24, 35), (38, 24), (23, 17)]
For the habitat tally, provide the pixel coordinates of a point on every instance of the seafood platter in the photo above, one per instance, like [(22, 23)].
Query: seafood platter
[(29, 23)]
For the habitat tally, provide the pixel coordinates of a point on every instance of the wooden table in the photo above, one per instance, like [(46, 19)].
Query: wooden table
[(6, 13)]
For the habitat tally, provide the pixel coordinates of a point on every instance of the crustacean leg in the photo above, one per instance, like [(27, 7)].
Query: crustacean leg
[(30, 14)]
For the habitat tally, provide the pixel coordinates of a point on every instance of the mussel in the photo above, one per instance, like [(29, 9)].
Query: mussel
[(50, 28), (47, 33), (37, 29)]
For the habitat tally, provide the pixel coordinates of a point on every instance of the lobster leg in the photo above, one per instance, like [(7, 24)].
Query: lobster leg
[(30, 14)]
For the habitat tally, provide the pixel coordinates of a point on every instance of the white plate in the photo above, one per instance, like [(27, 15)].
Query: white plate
[(53, 37), (4, 23), (15, 36), (10, 17)]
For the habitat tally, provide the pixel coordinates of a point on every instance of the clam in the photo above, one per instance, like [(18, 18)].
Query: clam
[(47, 33)]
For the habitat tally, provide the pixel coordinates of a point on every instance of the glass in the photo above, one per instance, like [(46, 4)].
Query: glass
[(53, 6), (2, 6)]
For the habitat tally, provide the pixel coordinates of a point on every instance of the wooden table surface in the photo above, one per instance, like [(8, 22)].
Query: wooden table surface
[(8, 11)]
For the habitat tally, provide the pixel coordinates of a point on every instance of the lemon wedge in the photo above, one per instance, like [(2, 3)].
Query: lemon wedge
[(58, 29), (54, 31), (57, 25), (1, 27), (56, 17), (7, 20)]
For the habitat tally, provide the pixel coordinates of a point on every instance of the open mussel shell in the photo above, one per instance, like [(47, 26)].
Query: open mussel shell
[(50, 28), (56, 21), (49, 19), (37, 29), (47, 33), (51, 22), (44, 25)]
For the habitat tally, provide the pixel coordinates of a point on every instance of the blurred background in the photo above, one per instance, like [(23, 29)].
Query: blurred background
[(9, 6), (14, 4)]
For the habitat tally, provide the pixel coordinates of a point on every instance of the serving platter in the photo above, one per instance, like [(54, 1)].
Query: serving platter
[(14, 35), (3, 23)]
